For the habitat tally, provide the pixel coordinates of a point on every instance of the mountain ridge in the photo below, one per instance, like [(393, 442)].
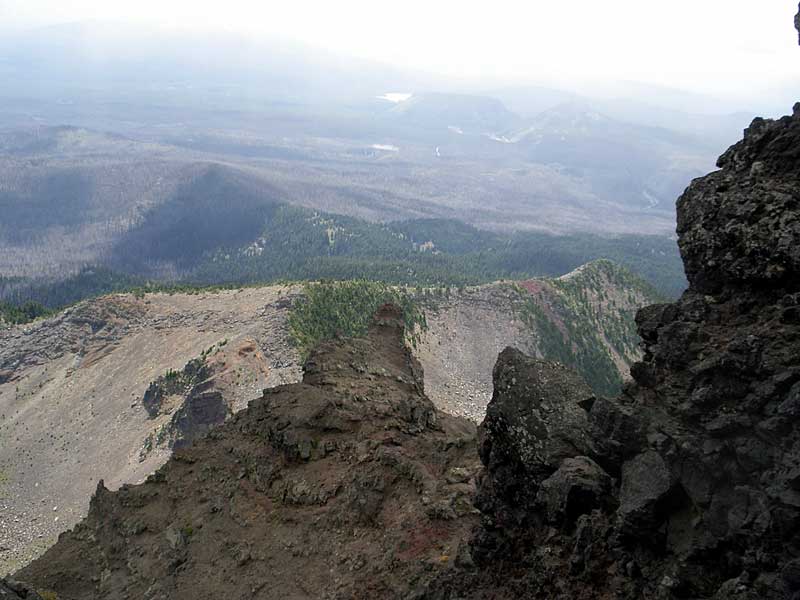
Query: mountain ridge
[(392, 459), (155, 370)]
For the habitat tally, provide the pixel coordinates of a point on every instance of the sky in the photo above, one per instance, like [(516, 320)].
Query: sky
[(707, 46)]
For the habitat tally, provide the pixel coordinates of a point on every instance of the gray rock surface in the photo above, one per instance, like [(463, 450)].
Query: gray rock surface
[(740, 225), (533, 422), (13, 590), (535, 413), (577, 487), (646, 483)]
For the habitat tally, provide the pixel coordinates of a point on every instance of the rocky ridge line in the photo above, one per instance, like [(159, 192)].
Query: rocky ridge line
[(349, 484)]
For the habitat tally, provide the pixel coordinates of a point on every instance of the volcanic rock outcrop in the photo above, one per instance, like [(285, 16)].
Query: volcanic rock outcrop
[(349, 484)]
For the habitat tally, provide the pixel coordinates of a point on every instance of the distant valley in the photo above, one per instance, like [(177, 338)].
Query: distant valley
[(72, 199), (290, 165), (353, 139)]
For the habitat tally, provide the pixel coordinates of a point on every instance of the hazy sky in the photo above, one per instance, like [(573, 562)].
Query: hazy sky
[(703, 45)]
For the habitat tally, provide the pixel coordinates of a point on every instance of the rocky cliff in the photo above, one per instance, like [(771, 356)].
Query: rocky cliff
[(688, 484)]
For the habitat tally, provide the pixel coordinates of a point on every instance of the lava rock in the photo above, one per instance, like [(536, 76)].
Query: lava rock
[(535, 418), (619, 432), (739, 226), (646, 482), (579, 486)]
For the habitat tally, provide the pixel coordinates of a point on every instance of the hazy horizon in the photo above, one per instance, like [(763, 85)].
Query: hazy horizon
[(578, 118), (708, 49)]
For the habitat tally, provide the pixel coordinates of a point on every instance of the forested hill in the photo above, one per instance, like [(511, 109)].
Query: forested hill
[(302, 245), (282, 242)]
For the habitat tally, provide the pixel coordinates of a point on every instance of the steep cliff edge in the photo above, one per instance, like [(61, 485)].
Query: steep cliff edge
[(688, 484)]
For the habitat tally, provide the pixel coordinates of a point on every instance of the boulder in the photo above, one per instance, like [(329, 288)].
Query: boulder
[(646, 483), (535, 418), (578, 487)]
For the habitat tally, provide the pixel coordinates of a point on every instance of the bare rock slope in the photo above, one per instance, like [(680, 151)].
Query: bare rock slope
[(72, 393), (349, 484)]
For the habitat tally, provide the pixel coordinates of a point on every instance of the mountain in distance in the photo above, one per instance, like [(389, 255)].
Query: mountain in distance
[(73, 198), (458, 113), (318, 131), (639, 165), (527, 101), (106, 77), (635, 164), (710, 120)]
